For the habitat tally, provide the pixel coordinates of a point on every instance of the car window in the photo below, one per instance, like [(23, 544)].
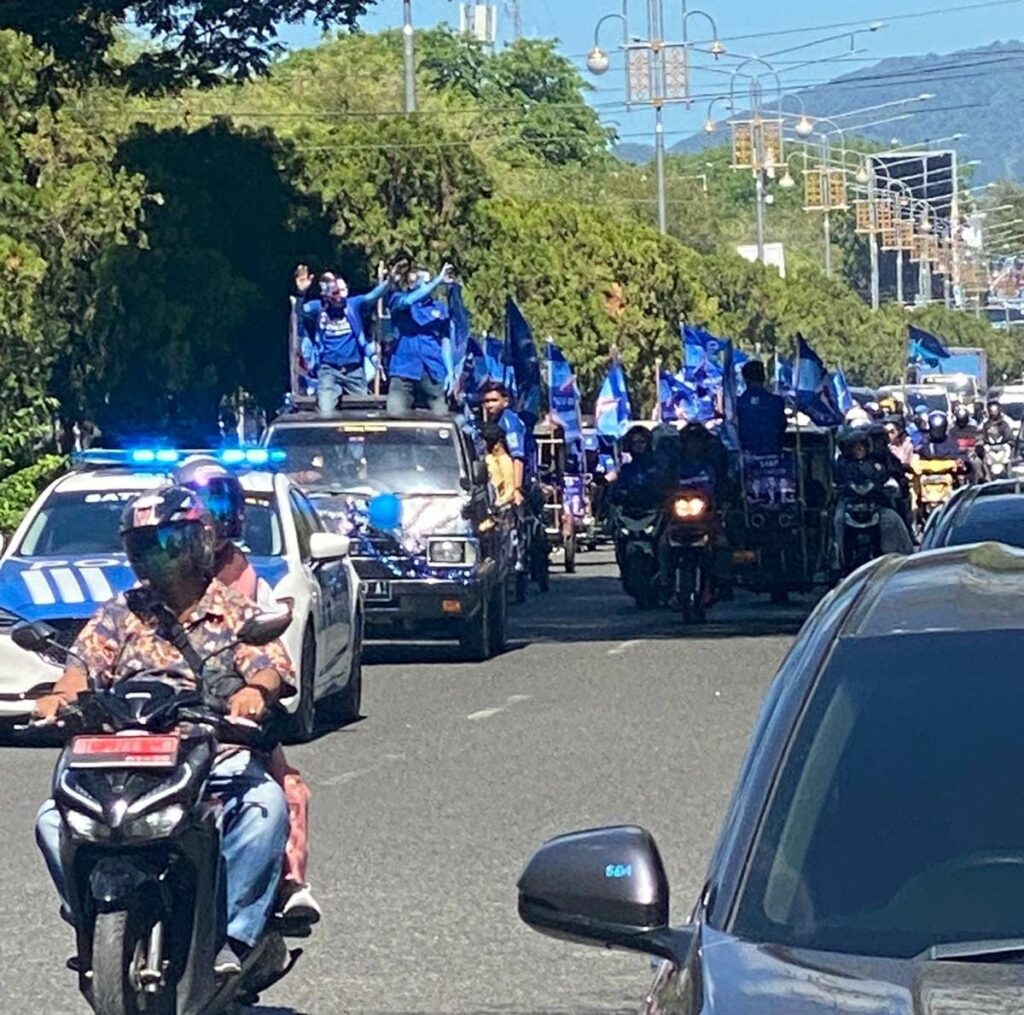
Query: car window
[(370, 458), (998, 518), (303, 526), (313, 519), (77, 522), (262, 536), (892, 826)]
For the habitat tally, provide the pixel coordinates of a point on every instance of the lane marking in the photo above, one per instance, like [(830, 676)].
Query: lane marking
[(488, 713), (625, 647)]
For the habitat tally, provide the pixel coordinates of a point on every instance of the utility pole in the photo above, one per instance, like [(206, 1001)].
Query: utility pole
[(410, 57)]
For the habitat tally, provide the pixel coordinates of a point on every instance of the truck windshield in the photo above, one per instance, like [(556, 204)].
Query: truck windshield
[(369, 458)]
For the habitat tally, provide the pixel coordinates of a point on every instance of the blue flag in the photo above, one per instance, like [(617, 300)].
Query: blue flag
[(521, 355), (811, 381), (841, 398), (783, 375), (677, 398), (563, 395), (701, 356), (924, 347), (612, 412)]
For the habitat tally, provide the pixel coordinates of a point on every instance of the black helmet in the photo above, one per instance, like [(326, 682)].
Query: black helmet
[(962, 415), (221, 493), (938, 426), (169, 538), (850, 436)]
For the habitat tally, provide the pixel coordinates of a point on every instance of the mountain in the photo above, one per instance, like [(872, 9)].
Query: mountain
[(978, 93)]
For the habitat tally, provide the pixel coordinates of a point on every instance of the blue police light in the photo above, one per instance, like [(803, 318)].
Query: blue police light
[(143, 456), (255, 457), (232, 456)]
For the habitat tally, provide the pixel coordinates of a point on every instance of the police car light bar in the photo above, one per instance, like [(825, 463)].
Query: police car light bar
[(161, 458)]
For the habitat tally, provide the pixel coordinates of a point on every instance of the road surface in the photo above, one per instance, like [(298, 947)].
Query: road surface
[(425, 811)]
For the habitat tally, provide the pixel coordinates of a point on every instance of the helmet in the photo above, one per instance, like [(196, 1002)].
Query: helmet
[(962, 415), (168, 537), (851, 436), (938, 426), (633, 433), (857, 416), (221, 493)]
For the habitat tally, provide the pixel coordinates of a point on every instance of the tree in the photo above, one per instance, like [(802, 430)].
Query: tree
[(193, 41)]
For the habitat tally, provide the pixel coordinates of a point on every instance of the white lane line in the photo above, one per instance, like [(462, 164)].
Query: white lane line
[(488, 713), (625, 647)]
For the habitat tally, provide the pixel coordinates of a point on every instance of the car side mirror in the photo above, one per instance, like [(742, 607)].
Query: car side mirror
[(328, 546), (33, 637), (264, 628), (480, 474), (606, 886)]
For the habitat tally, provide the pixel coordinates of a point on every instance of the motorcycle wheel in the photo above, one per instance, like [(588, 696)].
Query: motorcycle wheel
[(522, 583), (118, 953), (570, 553), (540, 564), (691, 597)]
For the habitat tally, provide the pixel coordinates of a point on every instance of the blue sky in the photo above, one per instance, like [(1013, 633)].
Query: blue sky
[(572, 22)]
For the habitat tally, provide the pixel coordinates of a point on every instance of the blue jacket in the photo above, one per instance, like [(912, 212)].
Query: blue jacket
[(339, 335), (422, 328), (762, 421), (515, 433)]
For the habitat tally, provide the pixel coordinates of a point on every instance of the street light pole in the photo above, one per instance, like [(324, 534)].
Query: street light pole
[(410, 57), (659, 166)]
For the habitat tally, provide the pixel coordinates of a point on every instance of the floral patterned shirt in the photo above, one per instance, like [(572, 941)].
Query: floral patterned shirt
[(127, 635)]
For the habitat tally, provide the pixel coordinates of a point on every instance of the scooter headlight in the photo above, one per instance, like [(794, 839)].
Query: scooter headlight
[(84, 827), (689, 508), (156, 825)]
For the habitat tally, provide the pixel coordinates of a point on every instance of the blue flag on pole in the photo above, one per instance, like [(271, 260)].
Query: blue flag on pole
[(701, 355), (783, 375), (924, 347), (521, 355), (563, 395), (813, 397), (678, 399), (841, 398), (612, 412)]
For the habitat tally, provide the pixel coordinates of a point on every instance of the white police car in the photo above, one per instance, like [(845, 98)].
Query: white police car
[(65, 559)]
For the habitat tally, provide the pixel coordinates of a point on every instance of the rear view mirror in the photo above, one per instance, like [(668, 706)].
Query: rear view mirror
[(328, 546), (33, 637), (605, 887), (264, 628)]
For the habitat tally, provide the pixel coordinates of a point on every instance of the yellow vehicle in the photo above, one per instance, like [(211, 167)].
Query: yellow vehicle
[(935, 479)]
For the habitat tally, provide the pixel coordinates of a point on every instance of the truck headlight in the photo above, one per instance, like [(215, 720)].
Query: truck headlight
[(457, 552), (157, 825), (84, 827)]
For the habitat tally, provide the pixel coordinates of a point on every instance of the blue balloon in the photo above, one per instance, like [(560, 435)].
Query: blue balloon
[(385, 511)]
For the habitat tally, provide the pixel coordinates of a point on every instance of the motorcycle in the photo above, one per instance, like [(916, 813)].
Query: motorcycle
[(140, 842), (936, 480), (636, 542), (862, 530), (997, 460), (690, 535)]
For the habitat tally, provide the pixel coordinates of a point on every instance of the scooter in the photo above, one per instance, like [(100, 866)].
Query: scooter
[(636, 541), (997, 460), (690, 534), (140, 842), (862, 530)]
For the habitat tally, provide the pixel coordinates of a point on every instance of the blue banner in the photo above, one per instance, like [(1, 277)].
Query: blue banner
[(678, 399), (564, 396), (840, 390), (612, 412), (924, 347), (521, 355), (813, 397), (701, 352), (783, 375)]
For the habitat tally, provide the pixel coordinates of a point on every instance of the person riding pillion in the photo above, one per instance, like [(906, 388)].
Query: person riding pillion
[(178, 614), (497, 408), (345, 361)]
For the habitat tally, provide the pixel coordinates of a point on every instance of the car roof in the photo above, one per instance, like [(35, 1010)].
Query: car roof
[(114, 478), (972, 588)]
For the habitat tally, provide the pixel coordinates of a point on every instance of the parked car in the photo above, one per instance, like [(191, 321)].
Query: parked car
[(992, 512), (872, 856), (65, 560)]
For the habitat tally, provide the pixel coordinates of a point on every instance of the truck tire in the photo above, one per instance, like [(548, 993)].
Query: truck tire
[(499, 620), (475, 638)]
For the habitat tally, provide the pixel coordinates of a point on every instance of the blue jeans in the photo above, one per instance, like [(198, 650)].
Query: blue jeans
[(336, 382), (402, 396), (254, 830)]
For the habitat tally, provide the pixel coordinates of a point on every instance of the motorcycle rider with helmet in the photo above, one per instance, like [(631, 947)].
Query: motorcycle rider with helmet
[(967, 437), (996, 429), (639, 482), (180, 611), (224, 498)]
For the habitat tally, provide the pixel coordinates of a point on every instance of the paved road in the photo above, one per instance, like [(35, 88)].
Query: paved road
[(425, 811)]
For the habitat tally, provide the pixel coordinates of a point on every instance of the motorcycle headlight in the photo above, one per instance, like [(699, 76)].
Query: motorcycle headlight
[(84, 827), (457, 552), (689, 508), (157, 825)]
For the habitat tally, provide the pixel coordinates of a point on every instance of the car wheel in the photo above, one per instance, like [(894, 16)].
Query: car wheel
[(570, 553), (499, 620), (302, 724), (345, 705), (475, 639)]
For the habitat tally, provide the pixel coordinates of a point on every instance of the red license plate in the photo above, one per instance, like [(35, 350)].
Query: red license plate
[(125, 752)]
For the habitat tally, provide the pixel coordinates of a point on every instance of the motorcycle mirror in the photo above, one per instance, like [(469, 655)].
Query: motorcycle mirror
[(264, 628), (33, 637)]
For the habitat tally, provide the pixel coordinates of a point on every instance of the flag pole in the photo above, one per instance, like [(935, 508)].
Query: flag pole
[(656, 411), (801, 504)]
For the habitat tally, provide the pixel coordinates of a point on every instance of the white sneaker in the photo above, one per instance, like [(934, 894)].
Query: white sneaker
[(301, 906)]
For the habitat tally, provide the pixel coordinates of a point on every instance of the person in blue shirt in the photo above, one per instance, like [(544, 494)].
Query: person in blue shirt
[(498, 409), (421, 367), (760, 414), (344, 360)]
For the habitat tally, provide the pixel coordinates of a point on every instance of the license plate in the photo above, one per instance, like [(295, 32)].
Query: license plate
[(744, 557), (377, 591), (124, 752)]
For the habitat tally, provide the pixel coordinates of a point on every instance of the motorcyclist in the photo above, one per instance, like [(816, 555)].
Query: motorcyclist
[(223, 497), (760, 414), (857, 466), (639, 481), (967, 437), (169, 540), (997, 428), (939, 443)]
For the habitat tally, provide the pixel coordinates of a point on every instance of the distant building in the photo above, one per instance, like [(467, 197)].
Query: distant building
[(479, 20)]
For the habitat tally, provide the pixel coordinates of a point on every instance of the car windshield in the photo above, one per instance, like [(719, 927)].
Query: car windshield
[(1013, 409), (79, 522), (931, 398), (369, 458), (998, 518), (893, 825)]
